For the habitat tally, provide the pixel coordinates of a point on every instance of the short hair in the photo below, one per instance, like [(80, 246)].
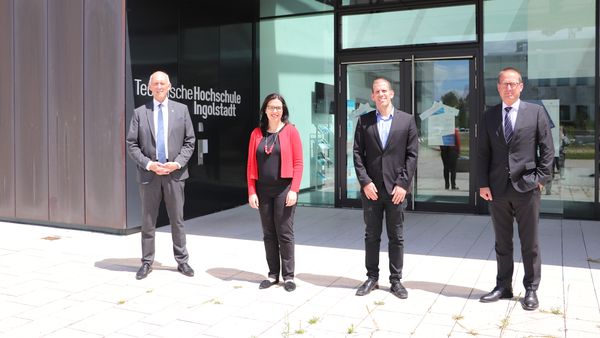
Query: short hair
[(165, 74), (510, 69), (382, 79)]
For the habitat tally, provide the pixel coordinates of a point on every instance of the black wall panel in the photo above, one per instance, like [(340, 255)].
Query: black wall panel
[(104, 112), (152, 47), (7, 107), (236, 74), (65, 111), (31, 110), (199, 66), (208, 46)]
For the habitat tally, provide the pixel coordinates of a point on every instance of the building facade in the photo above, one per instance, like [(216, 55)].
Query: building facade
[(72, 71)]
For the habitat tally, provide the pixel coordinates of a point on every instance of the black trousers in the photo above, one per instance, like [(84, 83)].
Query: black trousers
[(449, 158), (278, 229), (526, 209), (394, 221), (151, 194)]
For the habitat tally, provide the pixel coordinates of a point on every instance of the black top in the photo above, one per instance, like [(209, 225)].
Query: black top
[(269, 165)]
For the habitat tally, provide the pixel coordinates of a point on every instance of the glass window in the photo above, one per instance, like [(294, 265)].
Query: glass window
[(296, 61), (270, 8), (409, 27), (554, 49), (377, 2), (364, 2)]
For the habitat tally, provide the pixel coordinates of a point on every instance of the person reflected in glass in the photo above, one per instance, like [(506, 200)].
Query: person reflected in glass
[(450, 158), (562, 154), (274, 173)]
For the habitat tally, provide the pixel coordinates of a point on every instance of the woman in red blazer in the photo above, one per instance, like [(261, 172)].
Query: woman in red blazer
[(274, 174)]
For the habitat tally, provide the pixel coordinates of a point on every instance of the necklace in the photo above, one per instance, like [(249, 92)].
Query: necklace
[(268, 152)]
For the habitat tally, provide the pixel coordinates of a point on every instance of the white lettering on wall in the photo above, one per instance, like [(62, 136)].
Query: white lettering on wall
[(206, 102)]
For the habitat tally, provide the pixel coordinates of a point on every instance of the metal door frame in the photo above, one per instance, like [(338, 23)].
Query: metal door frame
[(406, 95)]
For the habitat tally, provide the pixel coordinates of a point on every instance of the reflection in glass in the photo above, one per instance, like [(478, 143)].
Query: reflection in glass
[(296, 61), (364, 2), (419, 26), (554, 49), (270, 8), (359, 88), (442, 117)]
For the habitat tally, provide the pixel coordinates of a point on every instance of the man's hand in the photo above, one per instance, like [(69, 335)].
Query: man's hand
[(163, 169), (171, 166), (486, 193), (158, 168), (370, 191), (541, 186), (398, 194)]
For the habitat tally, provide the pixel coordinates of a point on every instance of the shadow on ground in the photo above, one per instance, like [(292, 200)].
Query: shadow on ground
[(128, 264)]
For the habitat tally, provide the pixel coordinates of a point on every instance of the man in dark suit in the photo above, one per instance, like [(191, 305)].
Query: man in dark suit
[(161, 141), (511, 176), (385, 159)]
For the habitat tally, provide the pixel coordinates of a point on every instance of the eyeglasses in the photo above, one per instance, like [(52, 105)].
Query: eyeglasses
[(505, 85), (273, 108)]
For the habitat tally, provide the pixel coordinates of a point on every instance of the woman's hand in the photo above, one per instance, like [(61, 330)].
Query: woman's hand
[(253, 201), (291, 198)]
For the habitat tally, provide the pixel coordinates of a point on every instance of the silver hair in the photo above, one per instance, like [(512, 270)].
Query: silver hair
[(167, 75)]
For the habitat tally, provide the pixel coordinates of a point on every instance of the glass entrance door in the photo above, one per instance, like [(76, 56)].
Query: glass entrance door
[(438, 92), (358, 102), (441, 93)]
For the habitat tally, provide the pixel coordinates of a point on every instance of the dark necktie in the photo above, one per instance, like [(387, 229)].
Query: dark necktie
[(160, 137), (508, 128)]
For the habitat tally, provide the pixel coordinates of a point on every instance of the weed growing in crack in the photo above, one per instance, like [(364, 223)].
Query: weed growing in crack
[(373, 319), (286, 326)]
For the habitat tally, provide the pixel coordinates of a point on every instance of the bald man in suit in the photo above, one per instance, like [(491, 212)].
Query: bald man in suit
[(161, 141), (511, 176)]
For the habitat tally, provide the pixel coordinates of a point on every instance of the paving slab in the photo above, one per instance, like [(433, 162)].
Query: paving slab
[(82, 284)]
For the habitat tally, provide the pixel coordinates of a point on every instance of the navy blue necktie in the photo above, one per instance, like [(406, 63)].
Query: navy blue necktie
[(160, 137), (508, 128)]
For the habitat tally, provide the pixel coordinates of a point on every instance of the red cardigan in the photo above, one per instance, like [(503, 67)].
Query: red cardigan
[(291, 157)]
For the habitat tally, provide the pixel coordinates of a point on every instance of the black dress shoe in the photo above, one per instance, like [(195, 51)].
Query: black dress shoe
[(398, 290), (267, 284), (289, 286), (368, 286), (185, 269), (530, 302), (143, 271), (497, 293)]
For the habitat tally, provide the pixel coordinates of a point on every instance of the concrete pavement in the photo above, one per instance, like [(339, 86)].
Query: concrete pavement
[(69, 283)]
